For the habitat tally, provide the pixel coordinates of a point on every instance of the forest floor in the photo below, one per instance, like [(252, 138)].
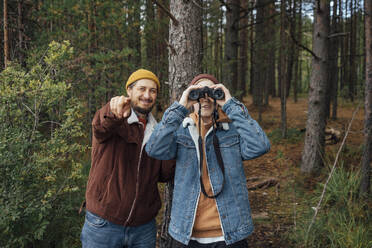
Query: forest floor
[(275, 208)]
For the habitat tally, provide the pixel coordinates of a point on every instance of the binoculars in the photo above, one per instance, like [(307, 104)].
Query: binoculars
[(216, 94)]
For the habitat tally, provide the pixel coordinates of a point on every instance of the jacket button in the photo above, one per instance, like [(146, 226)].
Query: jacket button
[(223, 216)]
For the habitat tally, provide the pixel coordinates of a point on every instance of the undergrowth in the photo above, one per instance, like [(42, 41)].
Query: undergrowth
[(294, 135), (343, 220)]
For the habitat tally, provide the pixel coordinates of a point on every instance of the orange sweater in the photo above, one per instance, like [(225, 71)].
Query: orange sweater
[(207, 222)]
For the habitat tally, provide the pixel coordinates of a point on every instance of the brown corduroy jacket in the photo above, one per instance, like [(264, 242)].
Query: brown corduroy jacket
[(122, 185)]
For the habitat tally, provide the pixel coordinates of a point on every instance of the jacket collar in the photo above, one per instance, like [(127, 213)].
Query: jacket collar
[(151, 122), (188, 121), (133, 118)]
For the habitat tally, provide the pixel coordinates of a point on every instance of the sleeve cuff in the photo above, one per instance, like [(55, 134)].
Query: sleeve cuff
[(230, 103), (233, 105), (181, 110)]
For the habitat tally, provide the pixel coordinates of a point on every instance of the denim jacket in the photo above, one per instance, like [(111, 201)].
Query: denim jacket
[(176, 137)]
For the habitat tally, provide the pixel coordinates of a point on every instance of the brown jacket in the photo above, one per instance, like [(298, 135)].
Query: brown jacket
[(122, 185)]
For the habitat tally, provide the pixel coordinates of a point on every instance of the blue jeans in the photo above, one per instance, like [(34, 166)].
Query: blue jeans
[(100, 233)]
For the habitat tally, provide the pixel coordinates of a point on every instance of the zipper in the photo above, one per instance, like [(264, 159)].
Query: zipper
[(137, 185)]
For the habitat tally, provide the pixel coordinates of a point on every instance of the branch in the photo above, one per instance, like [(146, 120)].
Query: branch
[(167, 12), (337, 34), (333, 169), (29, 109), (297, 43), (302, 46), (198, 5), (53, 122)]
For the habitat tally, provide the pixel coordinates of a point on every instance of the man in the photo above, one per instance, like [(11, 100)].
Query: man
[(210, 206), (122, 197)]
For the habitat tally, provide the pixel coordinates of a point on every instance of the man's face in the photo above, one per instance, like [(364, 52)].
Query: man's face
[(206, 103), (143, 95)]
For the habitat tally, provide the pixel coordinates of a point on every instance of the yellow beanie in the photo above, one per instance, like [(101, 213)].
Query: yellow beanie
[(142, 74)]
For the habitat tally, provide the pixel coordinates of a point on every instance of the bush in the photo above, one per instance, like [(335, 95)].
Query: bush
[(343, 219), (40, 154)]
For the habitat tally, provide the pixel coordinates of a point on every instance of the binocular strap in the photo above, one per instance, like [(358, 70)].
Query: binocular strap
[(217, 151)]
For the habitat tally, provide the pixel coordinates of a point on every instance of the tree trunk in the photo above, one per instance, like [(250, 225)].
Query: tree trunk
[(314, 139), (221, 65), (150, 36), (231, 45), (161, 45), (291, 46), (259, 55), (343, 48), (184, 64), (20, 31), (297, 63), (352, 51), (217, 49), (282, 69), (273, 50), (346, 55), (243, 54), (92, 47), (333, 60), (161, 55), (251, 51), (367, 153), (134, 36), (6, 34), (270, 39)]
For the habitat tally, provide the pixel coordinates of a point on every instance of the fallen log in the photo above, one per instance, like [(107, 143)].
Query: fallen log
[(332, 136), (254, 183)]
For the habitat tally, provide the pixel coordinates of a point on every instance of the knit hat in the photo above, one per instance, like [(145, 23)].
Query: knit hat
[(142, 74), (205, 76)]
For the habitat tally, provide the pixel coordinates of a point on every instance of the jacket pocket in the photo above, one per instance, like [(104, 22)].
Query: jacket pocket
[(187, 156), (186, 151), (94, 220), (229, 141), (185, 141)]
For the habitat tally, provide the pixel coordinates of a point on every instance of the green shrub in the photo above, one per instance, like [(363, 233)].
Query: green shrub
[(40, 154)]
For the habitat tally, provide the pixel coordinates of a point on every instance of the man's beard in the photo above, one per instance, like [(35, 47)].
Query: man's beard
[(141, 110)]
